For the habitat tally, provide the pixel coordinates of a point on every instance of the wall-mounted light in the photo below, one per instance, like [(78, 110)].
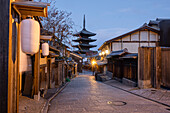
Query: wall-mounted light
[(103, 53), (107, 51)]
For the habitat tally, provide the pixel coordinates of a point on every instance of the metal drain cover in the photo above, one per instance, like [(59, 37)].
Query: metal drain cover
[(168, 109), (117, 103)]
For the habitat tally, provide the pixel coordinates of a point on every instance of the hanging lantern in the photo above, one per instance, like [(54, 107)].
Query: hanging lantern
[(45, 49), (30, 36)]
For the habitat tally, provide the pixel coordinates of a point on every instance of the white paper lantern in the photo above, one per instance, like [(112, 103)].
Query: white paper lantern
[(45, 49), (30, 36)]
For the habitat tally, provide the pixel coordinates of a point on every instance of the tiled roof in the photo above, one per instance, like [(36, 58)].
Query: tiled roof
[(84, 32), (117, 53)]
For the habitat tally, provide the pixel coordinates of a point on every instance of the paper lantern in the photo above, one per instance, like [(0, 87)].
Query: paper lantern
[(45, 49), (30, 36)]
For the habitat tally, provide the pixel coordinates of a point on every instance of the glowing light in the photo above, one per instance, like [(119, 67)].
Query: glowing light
[(93, 62), (103, 53), (107, 51), (100, 54)]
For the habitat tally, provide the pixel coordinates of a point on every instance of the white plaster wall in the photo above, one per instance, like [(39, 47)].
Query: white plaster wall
[(116, 46), (144, 44), (25, 62), (152, 44), (132, 47), (144, 36), (127, 38), (135, 36), (153, 36)]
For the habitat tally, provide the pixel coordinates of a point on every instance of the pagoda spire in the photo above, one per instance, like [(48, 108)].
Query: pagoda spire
[(84, 40), (84, 23)]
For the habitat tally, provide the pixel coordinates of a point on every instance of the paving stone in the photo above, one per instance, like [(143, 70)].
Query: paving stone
[(86, 95)]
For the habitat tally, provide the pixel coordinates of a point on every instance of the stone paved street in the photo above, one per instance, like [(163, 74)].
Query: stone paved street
[(86, 95)]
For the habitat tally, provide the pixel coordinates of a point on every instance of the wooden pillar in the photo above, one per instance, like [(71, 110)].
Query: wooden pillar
[(158, 67), (9, 64), (4, 37), (36, 76)]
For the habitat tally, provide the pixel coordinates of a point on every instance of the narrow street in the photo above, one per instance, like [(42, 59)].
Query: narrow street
[(86, 95)]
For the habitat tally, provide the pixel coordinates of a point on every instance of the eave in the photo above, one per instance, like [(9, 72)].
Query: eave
[(31, 8), (85, 39), (143, 28), (87, 46)]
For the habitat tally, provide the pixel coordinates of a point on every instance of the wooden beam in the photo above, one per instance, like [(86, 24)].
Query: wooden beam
[(149, 38), (139, 39), (130, 37), (158, 67)]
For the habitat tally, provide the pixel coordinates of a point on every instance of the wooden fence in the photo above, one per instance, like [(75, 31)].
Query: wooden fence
[(153, 67), (165, 61)]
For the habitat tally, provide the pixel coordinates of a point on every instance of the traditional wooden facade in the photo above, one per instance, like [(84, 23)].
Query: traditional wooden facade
[(122, 62), (143, 36), (153, 67), (11, 13), (78, 59)]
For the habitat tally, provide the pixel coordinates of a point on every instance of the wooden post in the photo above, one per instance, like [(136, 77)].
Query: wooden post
[(36, 76), (9, 59), (158, 67), (4, 37), (144, 59)]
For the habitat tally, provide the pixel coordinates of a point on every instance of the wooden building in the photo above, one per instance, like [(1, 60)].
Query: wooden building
[(122, 57), (78, 59), (11, 13), (143, 36)]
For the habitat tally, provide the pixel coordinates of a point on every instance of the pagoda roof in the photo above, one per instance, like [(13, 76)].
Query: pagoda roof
[(84, 31), (85, 39), (84, 45), (82, 51)]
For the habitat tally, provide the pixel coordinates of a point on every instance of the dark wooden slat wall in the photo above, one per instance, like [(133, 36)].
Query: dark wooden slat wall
[(165, 53), (154, 65), (4, 43)]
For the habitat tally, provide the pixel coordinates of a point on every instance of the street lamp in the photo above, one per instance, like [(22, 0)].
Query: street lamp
[(93, 64)]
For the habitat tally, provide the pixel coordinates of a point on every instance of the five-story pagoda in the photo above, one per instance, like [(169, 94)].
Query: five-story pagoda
[(84, 40)]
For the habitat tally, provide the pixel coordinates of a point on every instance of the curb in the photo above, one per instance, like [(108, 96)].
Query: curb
[(140, 95), (46, 105)]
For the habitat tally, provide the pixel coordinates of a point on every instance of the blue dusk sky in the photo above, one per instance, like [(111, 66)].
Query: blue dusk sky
[(111, 18)]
